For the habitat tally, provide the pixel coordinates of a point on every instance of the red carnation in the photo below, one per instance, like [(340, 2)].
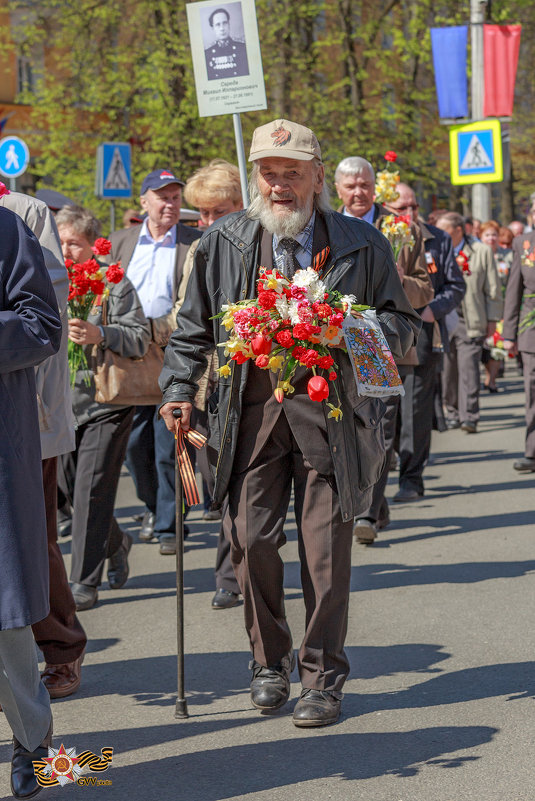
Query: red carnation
[(390, 155), (298, 351), (325, 362), (309, 358), (97, 287), (323, 310), (403, 218), (285, 339), (302, 330), (101, 247), (332, 376), (336, 319), (114, 273), (266, 299)]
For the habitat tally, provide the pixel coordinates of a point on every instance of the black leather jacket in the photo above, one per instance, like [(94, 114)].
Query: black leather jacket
[(225, 271)]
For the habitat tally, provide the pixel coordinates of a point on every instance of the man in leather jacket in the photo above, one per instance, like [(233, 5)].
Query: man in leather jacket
[(260, 445)]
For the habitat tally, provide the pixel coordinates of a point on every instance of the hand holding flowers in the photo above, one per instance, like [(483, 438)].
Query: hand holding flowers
[(88, 285), (291, 323)]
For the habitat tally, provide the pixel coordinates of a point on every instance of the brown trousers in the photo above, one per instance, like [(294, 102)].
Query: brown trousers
[(60, 635), (258, 502)]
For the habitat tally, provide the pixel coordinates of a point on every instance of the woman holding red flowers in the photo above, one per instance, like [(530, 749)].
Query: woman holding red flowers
[(88, 477)]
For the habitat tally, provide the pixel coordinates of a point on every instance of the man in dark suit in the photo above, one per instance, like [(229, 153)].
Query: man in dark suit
[(261, 445), (519, 302), (153, 255), (30, 331), (417, 406), (354, 179), (226, 58)]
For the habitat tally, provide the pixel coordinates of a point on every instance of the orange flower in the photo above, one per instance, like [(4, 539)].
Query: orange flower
[(331, 332)]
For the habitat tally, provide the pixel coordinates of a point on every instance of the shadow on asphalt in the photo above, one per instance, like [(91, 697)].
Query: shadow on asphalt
[(383, 575), (515, 680), (370, 662), (448, 526), (233, 772), (445, 457)]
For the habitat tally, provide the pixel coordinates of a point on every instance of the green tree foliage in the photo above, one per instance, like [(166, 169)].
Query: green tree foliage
[(358, 72)]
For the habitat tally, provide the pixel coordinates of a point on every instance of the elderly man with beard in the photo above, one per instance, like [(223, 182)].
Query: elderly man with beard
[(262, 446)]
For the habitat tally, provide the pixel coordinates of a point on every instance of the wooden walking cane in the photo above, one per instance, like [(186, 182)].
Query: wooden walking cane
[(181, 708)]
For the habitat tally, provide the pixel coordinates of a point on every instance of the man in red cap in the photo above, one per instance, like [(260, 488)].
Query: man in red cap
[(153, 255)]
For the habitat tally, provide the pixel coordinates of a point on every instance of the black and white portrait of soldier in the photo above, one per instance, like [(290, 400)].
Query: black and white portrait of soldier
[(226, 57)]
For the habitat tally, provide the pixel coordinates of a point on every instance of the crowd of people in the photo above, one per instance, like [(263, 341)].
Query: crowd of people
[(454, 300)]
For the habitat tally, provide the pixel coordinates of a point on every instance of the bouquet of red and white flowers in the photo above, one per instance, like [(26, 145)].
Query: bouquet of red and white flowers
[(88, 285), (291, 323)]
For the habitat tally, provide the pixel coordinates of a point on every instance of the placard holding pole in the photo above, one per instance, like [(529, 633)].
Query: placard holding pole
[(227, 64)]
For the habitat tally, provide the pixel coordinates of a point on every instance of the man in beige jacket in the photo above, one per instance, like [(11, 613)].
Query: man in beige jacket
[(478, 314)]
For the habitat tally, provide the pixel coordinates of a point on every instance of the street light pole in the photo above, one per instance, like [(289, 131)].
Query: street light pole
[(480, 192)]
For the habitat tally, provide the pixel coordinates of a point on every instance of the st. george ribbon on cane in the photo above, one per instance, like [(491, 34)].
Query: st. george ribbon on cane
[(181, 709)]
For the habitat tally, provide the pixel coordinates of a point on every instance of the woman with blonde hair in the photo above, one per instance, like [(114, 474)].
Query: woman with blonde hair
[(215, 190)]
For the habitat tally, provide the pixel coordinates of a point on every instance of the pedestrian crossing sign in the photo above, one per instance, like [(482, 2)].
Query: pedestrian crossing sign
[(114, 170), (476, 153)]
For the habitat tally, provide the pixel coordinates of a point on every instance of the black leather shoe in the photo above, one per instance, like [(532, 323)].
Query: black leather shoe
[(224, 599), (146, 532), (270, 686), (316, 708), (405, 494), (23, 781), (118, 568), (85, 597), (524, 465)]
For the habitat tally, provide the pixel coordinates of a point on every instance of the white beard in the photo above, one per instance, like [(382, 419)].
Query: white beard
[(289, 223)]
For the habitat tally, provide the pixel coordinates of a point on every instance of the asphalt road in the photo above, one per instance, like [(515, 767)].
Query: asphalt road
[(439, 705)]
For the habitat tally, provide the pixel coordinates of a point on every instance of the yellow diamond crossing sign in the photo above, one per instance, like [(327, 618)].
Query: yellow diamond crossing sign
[(476, 153)]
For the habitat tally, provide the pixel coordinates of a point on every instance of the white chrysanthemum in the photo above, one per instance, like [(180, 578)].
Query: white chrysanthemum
[(293, 311), (281, 304), (317, 291), (305, 278), (347, 301)]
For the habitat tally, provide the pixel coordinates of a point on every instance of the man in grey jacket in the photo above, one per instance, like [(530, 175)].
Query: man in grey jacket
[(261, 445)]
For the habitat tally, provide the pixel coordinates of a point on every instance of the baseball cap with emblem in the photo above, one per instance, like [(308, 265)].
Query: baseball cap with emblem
[(157, 179), (284, 139)]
